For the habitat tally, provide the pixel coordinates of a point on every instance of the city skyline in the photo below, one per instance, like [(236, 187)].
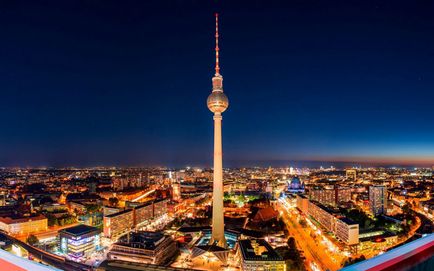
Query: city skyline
[(103, 86)]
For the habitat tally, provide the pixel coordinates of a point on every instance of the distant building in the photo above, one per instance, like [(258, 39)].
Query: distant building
[(144, 247), (79, 241), (378, 199), (257, 254), (331, 197), (176, 191), (23, 225), (351, 174), (92, 187), (295, 185)]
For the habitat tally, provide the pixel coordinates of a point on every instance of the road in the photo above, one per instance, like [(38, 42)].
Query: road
[(314, 251), (51, 259), (144, 195)]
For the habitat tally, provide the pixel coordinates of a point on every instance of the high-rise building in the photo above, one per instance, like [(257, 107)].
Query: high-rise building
[(217, 103), (378, 199)]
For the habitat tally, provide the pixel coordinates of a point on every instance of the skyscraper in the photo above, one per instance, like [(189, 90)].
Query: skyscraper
[(378, 199), (217, 103)]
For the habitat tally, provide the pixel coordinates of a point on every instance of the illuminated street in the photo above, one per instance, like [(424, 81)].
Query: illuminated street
[(316, 253)]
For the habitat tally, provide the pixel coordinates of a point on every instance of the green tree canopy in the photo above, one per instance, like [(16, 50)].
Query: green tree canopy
[(32, 240)]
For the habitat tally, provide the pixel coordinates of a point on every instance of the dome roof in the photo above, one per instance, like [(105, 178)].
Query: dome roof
[(295, 180)]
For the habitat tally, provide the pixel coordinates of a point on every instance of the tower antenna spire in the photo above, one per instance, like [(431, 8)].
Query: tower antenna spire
[(217, 67)]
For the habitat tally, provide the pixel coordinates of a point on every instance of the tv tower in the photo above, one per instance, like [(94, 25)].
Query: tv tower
[(217, 103)]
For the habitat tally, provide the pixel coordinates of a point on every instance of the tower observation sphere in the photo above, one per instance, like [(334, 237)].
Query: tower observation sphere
[(217, 101)]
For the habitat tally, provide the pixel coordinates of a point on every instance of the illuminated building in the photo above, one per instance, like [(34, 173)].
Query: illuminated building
[(144, 247), (295, 185), (331, 197), (257, 254), (23, 225), (217, 103), (143, 214), (416, 255), (344, 229), (378, 199), (377, 239), (302, 203), (347, 231), (176, 190), (79, 241), (118, 224), (351, 174), (160, 208)]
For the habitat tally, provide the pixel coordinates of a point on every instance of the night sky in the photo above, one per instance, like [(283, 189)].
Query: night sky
[(125, 82)]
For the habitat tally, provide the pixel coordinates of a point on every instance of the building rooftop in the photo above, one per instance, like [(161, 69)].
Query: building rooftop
[(120, 213), (146, 204), (20, 219), (79, 230), (142, 239), (265, 214), (258, 250), (193, 229), (348, 221)]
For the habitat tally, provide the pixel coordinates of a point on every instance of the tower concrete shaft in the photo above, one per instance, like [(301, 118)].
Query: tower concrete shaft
[(217, 103), (218, 225)]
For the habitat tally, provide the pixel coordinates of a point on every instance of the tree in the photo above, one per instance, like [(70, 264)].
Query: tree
[(113, 201), (291, 243), (406, 208), (92, 208), (52, 221), (302, 223), (32, 240)]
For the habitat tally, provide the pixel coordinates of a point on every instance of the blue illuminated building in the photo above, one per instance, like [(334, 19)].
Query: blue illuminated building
[(79, 241), (202, 246), (231, 238), (295, 185)]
